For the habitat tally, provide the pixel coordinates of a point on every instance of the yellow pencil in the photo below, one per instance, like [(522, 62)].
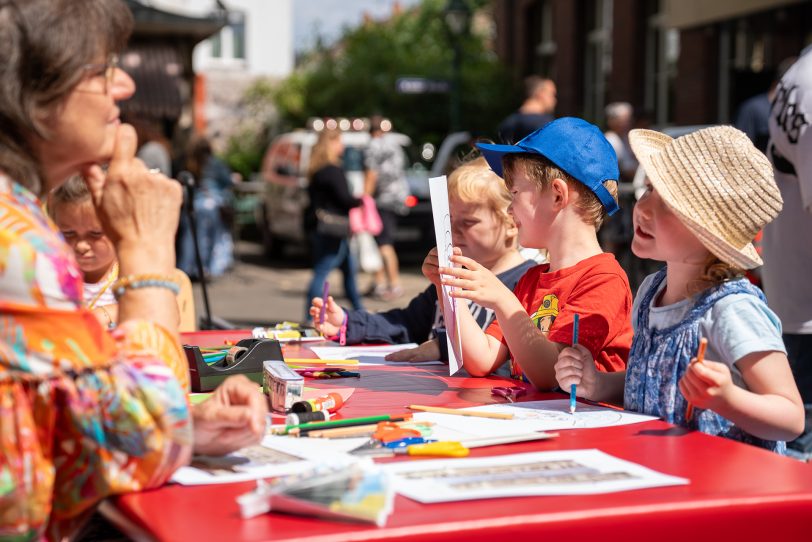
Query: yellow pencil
[(460, 412), (317, 361)]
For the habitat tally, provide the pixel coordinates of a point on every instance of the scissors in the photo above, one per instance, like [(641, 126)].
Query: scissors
[(511, 393), (414, 446), (387, 432)]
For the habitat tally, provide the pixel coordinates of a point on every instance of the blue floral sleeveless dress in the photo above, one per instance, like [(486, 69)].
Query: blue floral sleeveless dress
[(659, 358)]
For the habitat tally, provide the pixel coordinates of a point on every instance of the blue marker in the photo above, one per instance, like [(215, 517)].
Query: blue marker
[(573, 387)]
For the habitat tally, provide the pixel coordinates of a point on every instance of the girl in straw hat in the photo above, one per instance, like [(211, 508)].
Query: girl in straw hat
[(708, 194)]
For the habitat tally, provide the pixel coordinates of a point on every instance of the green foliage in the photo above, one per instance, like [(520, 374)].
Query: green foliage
[(357, 77), (246, 147)]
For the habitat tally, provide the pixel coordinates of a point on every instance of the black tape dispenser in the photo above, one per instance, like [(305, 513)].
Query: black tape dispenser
[(243, 358)]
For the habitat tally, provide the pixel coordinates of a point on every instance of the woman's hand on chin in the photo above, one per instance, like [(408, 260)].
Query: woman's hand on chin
[(139, 209)]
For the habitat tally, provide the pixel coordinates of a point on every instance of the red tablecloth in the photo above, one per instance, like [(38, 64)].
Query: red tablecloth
[(736, 491)]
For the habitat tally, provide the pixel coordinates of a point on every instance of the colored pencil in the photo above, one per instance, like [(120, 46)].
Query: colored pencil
[(507, 439), (573, 387), (700, 356), (360, 430), (460, 412), (316, 361), (349, 422)]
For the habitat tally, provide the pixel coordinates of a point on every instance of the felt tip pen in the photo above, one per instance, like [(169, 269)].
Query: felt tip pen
[(573, 387), (325, 291)]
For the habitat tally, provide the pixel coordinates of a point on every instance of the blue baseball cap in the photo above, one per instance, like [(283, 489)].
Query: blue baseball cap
[(573, 145)]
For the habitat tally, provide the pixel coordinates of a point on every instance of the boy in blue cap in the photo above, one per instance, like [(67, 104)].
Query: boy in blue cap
[(563, 181)]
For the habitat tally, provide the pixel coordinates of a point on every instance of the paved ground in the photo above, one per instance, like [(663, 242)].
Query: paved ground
[(261, 292)]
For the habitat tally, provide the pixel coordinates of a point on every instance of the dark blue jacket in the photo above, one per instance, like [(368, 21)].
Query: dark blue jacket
[(420, 319)]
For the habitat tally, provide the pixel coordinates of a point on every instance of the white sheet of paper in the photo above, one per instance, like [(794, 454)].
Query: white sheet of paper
[(276, 456), (566, 472), (529, 416), (249, 465), (368, 355), (438, 189)]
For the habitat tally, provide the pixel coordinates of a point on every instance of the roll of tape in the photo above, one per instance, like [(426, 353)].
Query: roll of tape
[(234, 354)]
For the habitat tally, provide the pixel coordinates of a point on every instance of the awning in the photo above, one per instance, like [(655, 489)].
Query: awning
[(153, 21)]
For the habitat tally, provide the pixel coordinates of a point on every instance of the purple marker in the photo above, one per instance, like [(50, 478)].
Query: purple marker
[(325, 291)]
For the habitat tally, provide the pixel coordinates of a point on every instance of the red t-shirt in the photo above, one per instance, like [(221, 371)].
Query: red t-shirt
[(598, 290)]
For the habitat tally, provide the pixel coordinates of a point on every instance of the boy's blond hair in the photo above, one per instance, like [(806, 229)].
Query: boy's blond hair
[(542, 172), (475, 182), (74, 190)]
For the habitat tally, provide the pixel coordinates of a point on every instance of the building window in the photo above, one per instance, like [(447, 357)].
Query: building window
[(597, 57), (236, 22), (545, 47), (662, 53), (229, 43), (216, 45)]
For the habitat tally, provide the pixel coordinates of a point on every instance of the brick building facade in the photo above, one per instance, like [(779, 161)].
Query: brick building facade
[(680, 61)]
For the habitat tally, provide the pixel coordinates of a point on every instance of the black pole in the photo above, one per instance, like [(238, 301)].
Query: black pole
[(187, 180), (455, 86)]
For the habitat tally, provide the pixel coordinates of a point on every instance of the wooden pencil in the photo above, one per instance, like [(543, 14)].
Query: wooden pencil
[(460, 412)]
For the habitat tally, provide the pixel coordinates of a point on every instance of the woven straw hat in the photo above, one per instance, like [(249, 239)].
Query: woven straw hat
[(719, 185)]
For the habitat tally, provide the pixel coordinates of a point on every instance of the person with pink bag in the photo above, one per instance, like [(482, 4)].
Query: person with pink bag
[(365, 218)]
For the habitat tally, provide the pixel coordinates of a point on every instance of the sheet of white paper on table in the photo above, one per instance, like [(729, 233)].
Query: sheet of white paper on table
[(305, 454), (368, 355), (527, 416), (565, 472), (438, 190), (249, 470)]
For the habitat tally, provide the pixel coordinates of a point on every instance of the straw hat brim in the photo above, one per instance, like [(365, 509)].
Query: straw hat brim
[(647, 145)]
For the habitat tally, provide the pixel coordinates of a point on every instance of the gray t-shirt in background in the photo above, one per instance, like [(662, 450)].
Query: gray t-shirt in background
[(387, 159)]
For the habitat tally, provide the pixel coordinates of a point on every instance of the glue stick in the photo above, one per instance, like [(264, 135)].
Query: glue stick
[(307, 417), (330, 402)]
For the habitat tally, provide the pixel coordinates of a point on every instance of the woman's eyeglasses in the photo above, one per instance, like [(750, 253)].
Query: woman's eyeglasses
[(106, 70)]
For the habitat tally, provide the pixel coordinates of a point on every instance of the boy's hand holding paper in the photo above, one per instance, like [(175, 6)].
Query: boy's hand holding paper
[(474, 282)]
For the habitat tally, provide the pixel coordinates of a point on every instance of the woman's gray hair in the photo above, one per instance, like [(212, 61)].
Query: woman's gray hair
[(45, 46)]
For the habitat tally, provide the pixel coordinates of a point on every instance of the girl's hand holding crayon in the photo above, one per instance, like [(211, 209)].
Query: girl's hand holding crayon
[(333, 316), (576, 366), (707, 384)]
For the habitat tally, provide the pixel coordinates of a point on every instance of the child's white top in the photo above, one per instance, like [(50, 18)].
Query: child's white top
[(737, 325), (92, 289), (787, 251)]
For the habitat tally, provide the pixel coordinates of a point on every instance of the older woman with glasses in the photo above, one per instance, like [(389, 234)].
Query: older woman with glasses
[(85, 414)]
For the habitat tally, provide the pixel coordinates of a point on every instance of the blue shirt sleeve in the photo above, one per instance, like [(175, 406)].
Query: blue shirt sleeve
[(397, 326)]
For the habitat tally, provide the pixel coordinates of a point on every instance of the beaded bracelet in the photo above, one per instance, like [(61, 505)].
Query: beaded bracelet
[(133, 282)]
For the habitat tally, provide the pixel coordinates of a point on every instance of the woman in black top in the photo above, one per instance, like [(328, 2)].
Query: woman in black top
[(329, 197)]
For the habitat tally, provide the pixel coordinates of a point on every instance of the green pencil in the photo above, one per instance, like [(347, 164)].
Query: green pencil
[(349, 422)]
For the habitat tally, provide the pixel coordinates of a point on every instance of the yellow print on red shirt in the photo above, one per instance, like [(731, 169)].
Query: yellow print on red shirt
[(545, 315)]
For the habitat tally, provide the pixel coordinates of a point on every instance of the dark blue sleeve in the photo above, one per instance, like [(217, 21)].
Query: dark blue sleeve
[(397, 326)]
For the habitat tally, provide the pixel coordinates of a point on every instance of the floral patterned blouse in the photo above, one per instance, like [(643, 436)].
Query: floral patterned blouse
[(84, 414)]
